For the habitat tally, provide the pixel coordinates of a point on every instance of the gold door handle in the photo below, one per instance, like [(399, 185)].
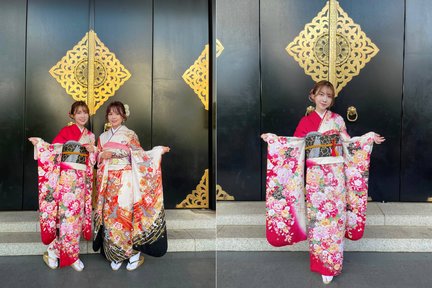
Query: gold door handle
[(352, 114)]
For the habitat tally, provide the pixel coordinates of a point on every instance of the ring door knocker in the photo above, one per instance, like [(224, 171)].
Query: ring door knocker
[(352, 114)]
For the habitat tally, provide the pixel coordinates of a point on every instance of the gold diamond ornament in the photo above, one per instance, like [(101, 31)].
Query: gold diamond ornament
[(196, 76), (332, 47), (90, 72)]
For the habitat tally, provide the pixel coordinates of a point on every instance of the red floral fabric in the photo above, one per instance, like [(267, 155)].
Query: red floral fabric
[(336, 192), (64, 195)]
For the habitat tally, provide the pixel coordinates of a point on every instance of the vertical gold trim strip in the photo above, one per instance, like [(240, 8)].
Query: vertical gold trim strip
[(332, 41), (90, 91)]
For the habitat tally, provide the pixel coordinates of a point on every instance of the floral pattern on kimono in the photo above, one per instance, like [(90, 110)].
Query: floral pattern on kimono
[(357, 154), (326, 202), (336, 190), (64, 195), (130, 197), (284, 191)]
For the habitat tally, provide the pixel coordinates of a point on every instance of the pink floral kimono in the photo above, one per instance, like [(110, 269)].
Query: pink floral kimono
[(337, 170), (65, 170), (130, 213)]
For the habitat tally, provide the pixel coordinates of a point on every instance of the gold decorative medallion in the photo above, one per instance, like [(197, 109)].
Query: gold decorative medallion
[(197, 74), (199, 198), (332, 47), (222, 195), (90, 72)]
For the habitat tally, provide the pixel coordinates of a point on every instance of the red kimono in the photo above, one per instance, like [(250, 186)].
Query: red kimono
[(65, 192), (337, 169)]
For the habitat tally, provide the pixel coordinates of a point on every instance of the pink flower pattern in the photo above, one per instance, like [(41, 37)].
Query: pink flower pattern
[(64, 200), (336, 195), (284, 191), (357, 159), (326, 216)]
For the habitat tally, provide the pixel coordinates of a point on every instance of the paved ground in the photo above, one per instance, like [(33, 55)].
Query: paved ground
[(234, 270), (174, 270), (291, 270)]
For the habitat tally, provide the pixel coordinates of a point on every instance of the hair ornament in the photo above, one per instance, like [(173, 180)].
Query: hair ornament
[(127, 111)]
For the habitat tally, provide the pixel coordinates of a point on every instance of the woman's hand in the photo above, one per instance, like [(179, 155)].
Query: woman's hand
[(265, 136), (378, 139), (165, 149), (89, 148), (107, 155), (33, 140)]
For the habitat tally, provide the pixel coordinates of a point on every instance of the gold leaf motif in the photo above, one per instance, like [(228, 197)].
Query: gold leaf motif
[(93, 83), (222, 195), (314, 46), (199, 197), (196, 76)]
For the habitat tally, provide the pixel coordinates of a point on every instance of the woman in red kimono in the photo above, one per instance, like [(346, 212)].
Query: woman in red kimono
[(65, 170), (130, 216), (337, 169)]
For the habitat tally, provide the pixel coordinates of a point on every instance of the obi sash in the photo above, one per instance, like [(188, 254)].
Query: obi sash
[(74, 155), (319, 145)]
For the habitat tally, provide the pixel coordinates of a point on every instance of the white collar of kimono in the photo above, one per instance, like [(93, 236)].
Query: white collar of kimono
[(321, 114), (113, 131)]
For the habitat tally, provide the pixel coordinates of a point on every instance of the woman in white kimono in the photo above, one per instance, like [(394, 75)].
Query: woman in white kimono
[(130, 215)]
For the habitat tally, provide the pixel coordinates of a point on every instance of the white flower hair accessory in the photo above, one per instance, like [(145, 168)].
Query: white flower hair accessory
[(127, 110)]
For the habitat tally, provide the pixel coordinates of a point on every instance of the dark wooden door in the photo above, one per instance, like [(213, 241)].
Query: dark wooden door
[(389, 92), (49, 35), (156, 41), (238, 99), (12, 99), (416, 164)]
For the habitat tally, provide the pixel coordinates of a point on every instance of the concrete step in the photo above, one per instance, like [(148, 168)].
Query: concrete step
[(188, 231), (377, 238), (179, 240), (28, 221), (378, 214)]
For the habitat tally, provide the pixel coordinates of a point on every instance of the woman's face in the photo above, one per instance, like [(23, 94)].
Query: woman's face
[(81, 116), (114, 118), (323, 99)]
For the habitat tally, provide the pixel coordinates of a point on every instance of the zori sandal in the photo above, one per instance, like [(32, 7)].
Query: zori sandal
[(50, 261), (135, 264), (78, 265)]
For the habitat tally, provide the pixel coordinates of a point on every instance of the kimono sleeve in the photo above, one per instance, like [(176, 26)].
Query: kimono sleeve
[(357, 152), (285, 205), (149, 225), (340, 122), (48, 157), (89, 181)]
